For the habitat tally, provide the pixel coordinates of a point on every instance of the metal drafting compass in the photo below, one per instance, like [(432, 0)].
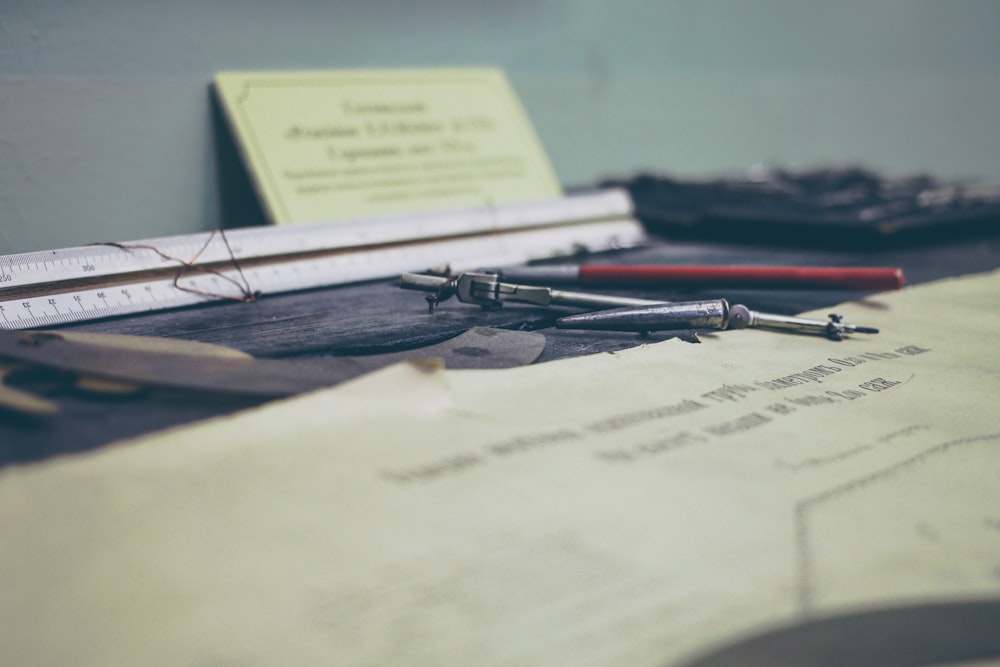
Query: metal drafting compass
[(616, 313)]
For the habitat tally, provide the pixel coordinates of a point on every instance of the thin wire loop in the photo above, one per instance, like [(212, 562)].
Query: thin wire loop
[(247, 294)]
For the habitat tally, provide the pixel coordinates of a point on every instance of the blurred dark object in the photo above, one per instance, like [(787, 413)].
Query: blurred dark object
[(842, 207)]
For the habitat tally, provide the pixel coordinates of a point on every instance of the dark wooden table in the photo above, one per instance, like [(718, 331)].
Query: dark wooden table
[(377, 317)]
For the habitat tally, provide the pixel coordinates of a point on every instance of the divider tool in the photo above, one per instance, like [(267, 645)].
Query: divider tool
[(616, 313)]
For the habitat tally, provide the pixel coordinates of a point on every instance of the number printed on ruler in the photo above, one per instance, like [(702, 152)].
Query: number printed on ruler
[(96, 303)]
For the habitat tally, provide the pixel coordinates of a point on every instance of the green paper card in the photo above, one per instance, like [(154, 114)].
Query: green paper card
[(338, 144)]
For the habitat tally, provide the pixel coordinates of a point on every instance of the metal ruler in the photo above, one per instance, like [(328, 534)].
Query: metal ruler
[(106, 280)]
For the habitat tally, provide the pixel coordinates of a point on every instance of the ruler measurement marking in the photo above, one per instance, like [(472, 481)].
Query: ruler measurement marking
[(307, 266), (179, 269), (361, 234)]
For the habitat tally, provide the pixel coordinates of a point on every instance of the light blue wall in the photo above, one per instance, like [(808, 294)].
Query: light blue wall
[(106, 133)]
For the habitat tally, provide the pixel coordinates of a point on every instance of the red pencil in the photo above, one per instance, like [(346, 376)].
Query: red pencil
[(769, 277)]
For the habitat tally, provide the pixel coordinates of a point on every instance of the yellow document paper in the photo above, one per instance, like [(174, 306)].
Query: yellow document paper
[(618, 509), (330, 145)]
